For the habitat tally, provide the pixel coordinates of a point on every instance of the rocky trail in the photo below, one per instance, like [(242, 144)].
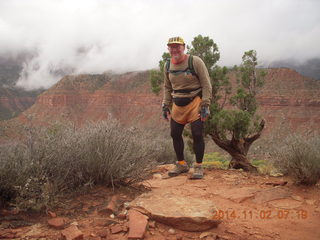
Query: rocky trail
[(225, 205)]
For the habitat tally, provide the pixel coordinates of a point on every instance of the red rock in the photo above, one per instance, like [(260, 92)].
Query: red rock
[(52, 214), (180, 212), (137, 224), (58, 222), (72, 233), (4, 212), (103, 233), (122, 216), (178, 237), (38, 236), (303, 102), (112, 206), (152, 224), (125, 228), (278, 183), (7, 234), (116, 229)]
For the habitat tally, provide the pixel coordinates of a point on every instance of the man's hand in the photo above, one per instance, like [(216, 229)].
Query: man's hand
[(204, 113), (165, 112)]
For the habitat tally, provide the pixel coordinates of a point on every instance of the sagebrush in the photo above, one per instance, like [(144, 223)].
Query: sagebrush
[(64, 158), (299, 157)]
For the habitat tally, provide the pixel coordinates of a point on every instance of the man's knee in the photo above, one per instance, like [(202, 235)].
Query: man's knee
[(197, 136), (175, 134)]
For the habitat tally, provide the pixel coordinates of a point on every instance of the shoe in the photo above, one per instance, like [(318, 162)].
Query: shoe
[(178, 169), (198, 171)]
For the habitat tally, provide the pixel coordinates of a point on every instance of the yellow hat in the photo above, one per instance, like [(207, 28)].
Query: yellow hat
[(175, 40)]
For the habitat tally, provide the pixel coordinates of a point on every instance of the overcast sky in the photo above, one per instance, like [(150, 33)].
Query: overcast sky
[(93, 36)]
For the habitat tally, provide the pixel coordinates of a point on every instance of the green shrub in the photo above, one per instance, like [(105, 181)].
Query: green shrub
[(215, 160), (63, 159), (299, 158)]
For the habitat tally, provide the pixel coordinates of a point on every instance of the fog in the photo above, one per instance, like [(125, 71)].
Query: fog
[(95, 36)]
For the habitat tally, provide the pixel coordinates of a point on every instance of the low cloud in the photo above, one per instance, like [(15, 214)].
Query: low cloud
[(121, 35)]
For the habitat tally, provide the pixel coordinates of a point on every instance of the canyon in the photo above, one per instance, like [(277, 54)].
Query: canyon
[(287, 99)]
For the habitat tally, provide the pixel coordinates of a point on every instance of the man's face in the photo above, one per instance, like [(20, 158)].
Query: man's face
[(176, 50)]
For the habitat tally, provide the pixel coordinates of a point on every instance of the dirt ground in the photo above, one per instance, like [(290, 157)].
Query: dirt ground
[(250, 207)]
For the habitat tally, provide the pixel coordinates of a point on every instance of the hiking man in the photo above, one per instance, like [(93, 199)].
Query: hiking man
[(187, 92)]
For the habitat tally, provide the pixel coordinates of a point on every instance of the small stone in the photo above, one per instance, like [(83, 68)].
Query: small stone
[(126, 205), (58, 222), (122, 215), (205, 235), (112, 216), (276, 174), (152, 224), (112, 206), (137, 224), (72, 233), (172, 231), (277, 183), (157, 176), (52, 214), (116, 229), (103, 233)]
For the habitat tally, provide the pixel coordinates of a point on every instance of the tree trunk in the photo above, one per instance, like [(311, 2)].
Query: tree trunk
[(238, 149), (241, 161)]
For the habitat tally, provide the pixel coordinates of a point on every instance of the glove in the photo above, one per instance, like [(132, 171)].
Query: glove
[(165, 111), (204, 112)]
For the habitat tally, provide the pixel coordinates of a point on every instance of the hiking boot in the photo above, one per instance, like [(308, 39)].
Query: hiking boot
[(198, 171), (178, 169)]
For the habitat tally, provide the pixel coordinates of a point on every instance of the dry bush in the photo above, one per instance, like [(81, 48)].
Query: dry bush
[(299, 157), (63, 158), (163, 145)]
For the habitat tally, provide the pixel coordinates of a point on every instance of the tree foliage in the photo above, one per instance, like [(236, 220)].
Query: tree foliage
[(156, 77)]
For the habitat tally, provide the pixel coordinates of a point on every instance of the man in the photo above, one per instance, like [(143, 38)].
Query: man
[(187, 92)]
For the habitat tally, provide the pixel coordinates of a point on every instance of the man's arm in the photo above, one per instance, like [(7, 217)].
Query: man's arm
[(204, 79), (167, 89)]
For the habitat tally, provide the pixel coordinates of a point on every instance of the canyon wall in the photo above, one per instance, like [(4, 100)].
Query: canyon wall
[(287, 99)]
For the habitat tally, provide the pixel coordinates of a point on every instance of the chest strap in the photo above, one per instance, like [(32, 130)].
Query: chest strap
[(185, 90)]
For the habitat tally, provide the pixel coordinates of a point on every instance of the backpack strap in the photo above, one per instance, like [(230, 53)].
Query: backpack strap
[(190, 66), (190, 63), (167, 67)]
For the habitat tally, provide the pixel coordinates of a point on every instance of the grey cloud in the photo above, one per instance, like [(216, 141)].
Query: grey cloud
[(121, 35)]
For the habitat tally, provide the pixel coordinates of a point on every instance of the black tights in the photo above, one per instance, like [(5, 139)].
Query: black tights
[(198, 142)]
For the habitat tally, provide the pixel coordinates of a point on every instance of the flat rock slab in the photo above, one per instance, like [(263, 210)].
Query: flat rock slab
[(237, 195), (271, 194), (181, 212), (285, 203)]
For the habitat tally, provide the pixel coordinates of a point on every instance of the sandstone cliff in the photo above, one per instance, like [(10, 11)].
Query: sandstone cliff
[(13, 102), (287, 99)]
